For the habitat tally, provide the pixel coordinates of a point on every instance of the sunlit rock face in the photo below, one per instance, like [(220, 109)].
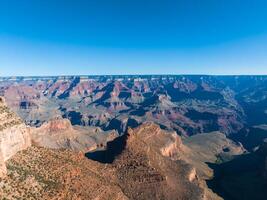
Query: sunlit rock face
[(14, 135), (149, 163)]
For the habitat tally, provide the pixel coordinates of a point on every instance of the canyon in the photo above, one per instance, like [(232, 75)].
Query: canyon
[(147, 165), (133, 137)]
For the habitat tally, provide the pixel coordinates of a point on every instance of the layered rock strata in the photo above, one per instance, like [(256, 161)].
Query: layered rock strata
[(14, 135)]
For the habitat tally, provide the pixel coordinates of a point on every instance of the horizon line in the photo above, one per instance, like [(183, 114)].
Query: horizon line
[(92, 75)]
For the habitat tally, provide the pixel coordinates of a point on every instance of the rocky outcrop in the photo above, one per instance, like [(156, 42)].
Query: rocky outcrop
[(60, 134), (145, 163), (148, 165), (14, 139), (56, 125), (14, 135)]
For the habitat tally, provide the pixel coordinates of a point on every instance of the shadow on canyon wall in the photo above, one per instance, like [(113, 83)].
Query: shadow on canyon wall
[(113, 149), (240, 179)]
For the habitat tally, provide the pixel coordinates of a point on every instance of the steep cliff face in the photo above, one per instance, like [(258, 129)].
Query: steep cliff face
[(14, 135)]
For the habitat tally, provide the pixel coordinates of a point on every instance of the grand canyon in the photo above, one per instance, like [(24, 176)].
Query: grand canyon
[(133, 100), (133, 137)]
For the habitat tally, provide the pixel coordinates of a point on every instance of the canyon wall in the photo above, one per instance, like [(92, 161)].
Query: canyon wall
[(14, 135)]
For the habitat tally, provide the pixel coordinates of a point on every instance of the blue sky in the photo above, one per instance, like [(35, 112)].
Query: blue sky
[(56, 37)]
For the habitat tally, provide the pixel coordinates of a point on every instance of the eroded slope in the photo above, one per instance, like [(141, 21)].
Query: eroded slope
[(146, 167)]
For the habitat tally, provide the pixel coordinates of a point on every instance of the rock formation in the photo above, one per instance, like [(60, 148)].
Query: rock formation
[(201, 127), (145, 164), (60, 134), (14, 135), (149, 165)]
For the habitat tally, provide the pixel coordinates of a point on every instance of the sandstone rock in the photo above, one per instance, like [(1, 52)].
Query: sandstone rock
[(14, 135), (149, 165), (60, 134), (14, 139)]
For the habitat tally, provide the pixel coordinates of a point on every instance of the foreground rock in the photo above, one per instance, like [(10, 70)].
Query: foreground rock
[(145, 166), (14, 135), (148, 166), (45, 174)]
